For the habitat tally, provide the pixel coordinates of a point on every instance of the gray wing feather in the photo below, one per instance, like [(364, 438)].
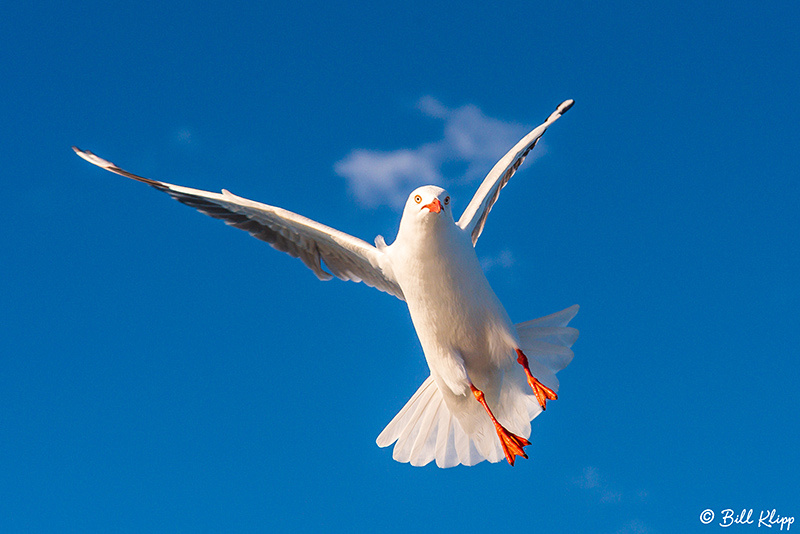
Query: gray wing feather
[(345, 257)]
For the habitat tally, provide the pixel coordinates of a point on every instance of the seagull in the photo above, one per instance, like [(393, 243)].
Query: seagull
[(489, 378)]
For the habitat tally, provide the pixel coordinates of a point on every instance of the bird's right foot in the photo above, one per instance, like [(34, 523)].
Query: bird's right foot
[(542, 392)]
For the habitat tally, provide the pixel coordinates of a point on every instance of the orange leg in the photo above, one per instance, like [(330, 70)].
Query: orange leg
[(542, 392), (512, 444)]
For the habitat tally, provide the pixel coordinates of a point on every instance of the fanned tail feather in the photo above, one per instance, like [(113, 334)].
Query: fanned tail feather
[(425, 429), (546, 342)]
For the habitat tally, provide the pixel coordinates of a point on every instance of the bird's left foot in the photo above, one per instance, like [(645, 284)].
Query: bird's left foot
[(542, 392), (513, 445)]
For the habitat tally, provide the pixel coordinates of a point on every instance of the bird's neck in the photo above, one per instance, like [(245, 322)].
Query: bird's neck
[(424, 232)]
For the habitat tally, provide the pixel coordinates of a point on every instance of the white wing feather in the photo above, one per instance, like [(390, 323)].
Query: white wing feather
[(345, 256), (474, 217)]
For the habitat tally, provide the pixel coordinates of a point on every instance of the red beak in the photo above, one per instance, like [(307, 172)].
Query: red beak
[(435, 206)]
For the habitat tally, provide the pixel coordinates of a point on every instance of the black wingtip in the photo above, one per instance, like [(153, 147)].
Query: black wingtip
[(565, 105)]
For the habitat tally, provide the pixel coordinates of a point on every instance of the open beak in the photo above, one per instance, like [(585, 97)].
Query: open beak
[(434, 207)]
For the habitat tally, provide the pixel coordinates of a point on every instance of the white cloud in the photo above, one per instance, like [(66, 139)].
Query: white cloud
[(504, 259), (606, 493), (387, 177), (635, 526), (598, 486), (432, 107), (591, 479), (609, 495), (478, 139), (469, 137), (184, 137)]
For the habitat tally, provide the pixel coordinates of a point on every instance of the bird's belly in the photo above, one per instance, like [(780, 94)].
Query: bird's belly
[(459, 316)]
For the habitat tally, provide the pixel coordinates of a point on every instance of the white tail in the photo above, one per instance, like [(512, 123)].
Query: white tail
[(426, 430), (546, 342)]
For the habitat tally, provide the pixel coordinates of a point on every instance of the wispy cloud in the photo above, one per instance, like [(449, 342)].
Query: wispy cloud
[(607, 494), (184, 137), (591, 479), (387, 177), (469, 137), (635, 526), (503, 259)]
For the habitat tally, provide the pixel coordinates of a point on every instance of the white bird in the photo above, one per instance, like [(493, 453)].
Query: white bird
[(489, 378)]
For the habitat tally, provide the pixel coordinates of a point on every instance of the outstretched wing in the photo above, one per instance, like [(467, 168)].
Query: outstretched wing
[(344, 256), (474, 217)]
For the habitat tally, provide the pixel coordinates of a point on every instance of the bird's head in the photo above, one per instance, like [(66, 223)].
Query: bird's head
[(428, 202), (427, 212)]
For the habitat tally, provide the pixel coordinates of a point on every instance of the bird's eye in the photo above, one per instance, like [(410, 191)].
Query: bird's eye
[(446, 201), (417, 199)]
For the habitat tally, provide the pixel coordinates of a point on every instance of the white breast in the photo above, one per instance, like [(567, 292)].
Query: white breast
[(451, 303)]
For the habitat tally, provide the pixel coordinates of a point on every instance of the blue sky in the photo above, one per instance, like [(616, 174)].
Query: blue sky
[(160, 371)]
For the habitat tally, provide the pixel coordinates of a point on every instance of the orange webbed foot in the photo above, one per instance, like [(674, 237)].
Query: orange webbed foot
[(512, 444), (542, 392)]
